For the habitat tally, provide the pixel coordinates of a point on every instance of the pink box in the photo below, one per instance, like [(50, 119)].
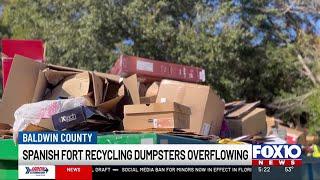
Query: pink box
[(34, 49)]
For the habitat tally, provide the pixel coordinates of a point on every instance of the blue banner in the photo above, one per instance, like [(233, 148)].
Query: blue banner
[(83, 137)]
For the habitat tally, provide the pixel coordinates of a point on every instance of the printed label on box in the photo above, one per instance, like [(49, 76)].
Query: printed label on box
[(144, 66), (163, 123), (205, 129), (202, 75)]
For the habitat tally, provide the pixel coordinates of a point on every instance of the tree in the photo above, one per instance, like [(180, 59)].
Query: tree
[(249, 48)]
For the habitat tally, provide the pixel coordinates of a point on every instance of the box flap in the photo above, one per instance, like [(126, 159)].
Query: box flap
[(54, 76), (97, 88), (153, 89), (109, 105), (213, 115), (111, 77), (63, 68), (73, 86), (155, 108), (121, 91), (131, 84), (244, 110), (20, 86), (40, 88), (232, 106)]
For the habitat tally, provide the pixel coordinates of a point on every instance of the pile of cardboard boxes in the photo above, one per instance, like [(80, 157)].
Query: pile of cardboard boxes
[(137, 94), (130, 103)]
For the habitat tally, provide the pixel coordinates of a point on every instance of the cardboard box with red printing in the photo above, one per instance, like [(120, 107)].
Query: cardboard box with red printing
[(152, 70)]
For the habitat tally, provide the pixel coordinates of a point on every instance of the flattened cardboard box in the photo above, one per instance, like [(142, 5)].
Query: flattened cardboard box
[(207, 108), (156, 115), (252, 123), (27, 83)]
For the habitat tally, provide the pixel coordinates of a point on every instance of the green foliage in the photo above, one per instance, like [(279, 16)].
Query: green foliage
[(246, 53)]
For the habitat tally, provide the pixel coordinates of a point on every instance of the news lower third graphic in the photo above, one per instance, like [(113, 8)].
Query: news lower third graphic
[(50, 155)]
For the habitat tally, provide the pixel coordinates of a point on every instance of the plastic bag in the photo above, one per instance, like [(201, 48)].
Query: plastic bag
[(34, 112)]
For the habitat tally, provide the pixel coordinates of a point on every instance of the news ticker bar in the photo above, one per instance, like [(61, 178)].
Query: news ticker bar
[(97, 172)]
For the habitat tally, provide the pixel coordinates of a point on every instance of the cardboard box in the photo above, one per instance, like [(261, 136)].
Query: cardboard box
[(28, 83), (271, 123), (156, 115), (242, 110), (254, 122), (207, 108), (151, 70)]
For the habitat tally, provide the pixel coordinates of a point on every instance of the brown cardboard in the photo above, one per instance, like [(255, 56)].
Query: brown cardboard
[(121, 91), (271, 123), (252, 123), (153, 89), (142, 89), (156, 115), (148, 100), (54, 77), (35, 128), (243, 110), (107, 106), (40, 87), (26, 84), (97, 88), (131, 84), (207, 108), (72, 86), (46, 123), (232, 106), (20, 86)]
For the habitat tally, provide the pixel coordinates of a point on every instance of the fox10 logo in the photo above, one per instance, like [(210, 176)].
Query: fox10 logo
[(276, 155)]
